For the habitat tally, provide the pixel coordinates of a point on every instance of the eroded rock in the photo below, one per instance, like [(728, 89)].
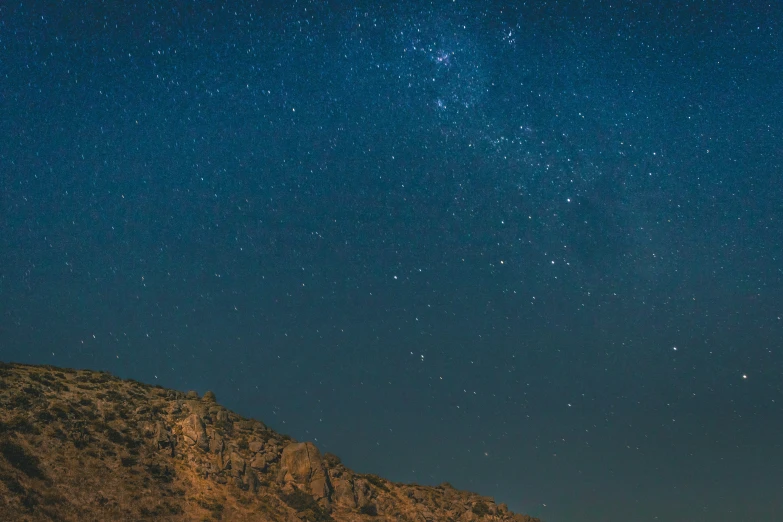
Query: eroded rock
[(301, 464), (259, 462), (195, 432), (343, 492)]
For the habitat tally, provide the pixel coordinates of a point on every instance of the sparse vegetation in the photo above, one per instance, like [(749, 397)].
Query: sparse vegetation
[(18, 458), (33, 391), (29, 501), (480, 508), (114, 436), (12, 484), (58, 410), (214, 507), (331, 460), (128, 461), (225, 427), (113, 396), (304, 504), (21, 424), (44, 416), (19, 401), (376, 481), (160, 473)]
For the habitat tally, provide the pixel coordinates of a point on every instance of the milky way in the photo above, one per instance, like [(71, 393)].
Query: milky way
[(533, 251)]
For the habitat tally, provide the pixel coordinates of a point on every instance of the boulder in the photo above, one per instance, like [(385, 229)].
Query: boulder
[(363, 492), (259, 462), (194, 431), (301, 464), (251, 481), (162, 438), (343, 492), (237, 464), (216, 444)]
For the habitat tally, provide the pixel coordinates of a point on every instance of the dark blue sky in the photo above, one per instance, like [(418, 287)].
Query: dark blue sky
[(534, 251)]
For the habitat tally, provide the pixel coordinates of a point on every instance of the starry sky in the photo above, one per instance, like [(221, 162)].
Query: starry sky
[(534, 250)]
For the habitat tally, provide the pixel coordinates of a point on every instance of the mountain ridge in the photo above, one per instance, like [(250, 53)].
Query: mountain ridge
[(86, 445)]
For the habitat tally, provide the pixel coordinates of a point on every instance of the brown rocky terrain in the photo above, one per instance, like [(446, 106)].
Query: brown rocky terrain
[(83, 445)]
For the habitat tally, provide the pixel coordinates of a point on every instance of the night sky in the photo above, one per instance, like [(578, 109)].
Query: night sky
[(534, 251)]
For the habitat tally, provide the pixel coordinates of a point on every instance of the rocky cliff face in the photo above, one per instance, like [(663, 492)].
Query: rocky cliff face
[(82, 445)]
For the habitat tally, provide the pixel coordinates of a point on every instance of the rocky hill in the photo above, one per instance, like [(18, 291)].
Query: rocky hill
[(83, 445)]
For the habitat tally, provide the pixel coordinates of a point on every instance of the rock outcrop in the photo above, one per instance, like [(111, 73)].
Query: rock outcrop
[(81, 445), (301, 467)]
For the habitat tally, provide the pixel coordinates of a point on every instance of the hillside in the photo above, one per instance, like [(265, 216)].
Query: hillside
[(83, 445)]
